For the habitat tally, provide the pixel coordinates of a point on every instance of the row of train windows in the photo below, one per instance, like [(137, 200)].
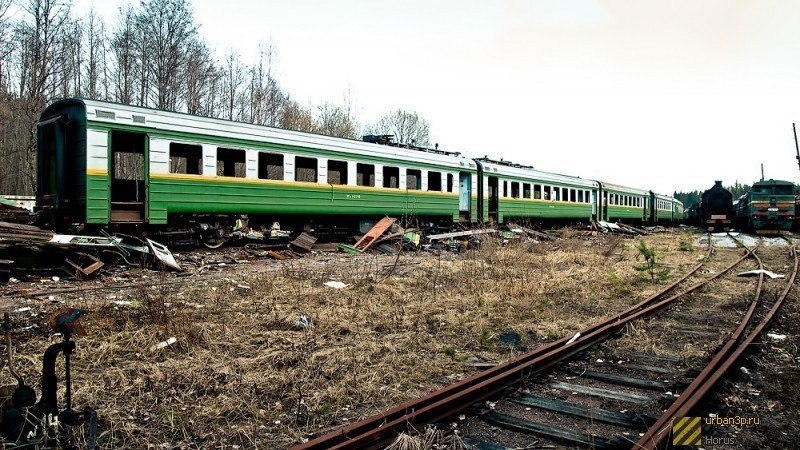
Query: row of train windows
[(663, 205), (543, 192), (187, 159), (625, 200)]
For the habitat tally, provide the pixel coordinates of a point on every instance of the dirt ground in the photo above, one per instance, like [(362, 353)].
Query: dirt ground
[(266, 355)]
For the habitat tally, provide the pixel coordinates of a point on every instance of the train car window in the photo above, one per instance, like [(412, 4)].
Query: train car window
[(270, 166), (564, 194), (449, 182), (231, 162), (505, 188), (185, 158), (546, 194), (573, 196), (537, 191), (526, 190), (514, 189), (580, 196), (556, 193), (391, 177), (305, 169), (413, 179), (337, 172), (365, 174), (434, 181)]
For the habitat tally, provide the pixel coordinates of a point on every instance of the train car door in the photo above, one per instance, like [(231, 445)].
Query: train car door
[(464, 195), (594, 204), (128, 180), (493, 198)]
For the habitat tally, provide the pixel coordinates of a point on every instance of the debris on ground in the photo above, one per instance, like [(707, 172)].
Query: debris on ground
[(753, 273), (26, 249)]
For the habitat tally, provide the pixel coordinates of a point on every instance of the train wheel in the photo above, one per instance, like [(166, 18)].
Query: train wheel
[(212, 242)]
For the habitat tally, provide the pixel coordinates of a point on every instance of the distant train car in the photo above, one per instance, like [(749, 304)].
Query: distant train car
[(768, 207), (715, 211)]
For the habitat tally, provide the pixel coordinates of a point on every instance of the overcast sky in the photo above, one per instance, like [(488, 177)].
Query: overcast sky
[(664, 95)]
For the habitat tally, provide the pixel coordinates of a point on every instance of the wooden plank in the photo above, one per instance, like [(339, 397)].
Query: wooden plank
[(647, 368), (553, 433), (622, 380), (372, 235), (627, 420), (606, 393), (656, 357)]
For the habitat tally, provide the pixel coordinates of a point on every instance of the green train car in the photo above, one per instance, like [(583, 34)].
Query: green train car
[(102, 164), (768, 207)]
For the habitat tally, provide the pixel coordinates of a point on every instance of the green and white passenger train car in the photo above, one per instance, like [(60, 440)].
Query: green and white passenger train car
[(101, 164), (104, 163), (521, 192)]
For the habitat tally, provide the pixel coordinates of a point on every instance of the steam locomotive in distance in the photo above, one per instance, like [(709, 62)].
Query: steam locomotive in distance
[(716, 209)]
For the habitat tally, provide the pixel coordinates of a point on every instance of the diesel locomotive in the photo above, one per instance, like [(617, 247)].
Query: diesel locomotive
[(102, 164), (768, 207)]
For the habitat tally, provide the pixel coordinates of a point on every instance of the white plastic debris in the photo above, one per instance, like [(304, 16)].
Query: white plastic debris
[(164, 344), (56, 279), (776, 336), (744, 370), (753, 273), (23, 309), (335, 284), (13, 280), (574, 338), (123, 302)]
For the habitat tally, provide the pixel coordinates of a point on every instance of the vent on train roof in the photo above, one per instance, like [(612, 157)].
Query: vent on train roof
[(105, 114), (388, 139), (138, 119)]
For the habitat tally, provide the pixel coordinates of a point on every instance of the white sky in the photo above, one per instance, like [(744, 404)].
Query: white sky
[(663, 95)]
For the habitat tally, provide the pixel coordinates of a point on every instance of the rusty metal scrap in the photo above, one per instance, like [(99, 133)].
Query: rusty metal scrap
[(304, 242)]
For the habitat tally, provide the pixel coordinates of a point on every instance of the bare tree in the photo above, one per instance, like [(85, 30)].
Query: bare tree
[(295, 117), (123, 55), (408, 127), (232, 81), (201, 73), (168, 28), (335, 120), (95, 41), (38, 38)]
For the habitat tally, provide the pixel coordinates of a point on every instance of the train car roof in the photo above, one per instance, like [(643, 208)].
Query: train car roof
[(535, 175), (625, 189), (116, 113), (772, 182)]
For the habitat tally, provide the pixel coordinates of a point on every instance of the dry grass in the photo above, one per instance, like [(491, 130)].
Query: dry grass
[(246, 372)]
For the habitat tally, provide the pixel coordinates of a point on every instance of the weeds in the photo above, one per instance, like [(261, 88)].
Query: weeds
[(651, 264)]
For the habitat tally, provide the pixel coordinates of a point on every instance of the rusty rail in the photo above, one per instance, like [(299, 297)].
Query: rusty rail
[(719, 365), (377, 430)]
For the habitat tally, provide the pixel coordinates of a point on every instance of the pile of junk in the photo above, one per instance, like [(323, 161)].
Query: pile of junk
[(29, 250)]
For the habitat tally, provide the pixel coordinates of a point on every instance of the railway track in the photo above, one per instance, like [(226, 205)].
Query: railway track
[(584, 390)]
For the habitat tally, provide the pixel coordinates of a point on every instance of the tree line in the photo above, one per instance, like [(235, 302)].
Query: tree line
[(151, 55)]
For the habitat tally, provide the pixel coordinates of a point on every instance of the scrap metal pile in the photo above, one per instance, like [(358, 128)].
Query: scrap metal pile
[(26, 249)]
